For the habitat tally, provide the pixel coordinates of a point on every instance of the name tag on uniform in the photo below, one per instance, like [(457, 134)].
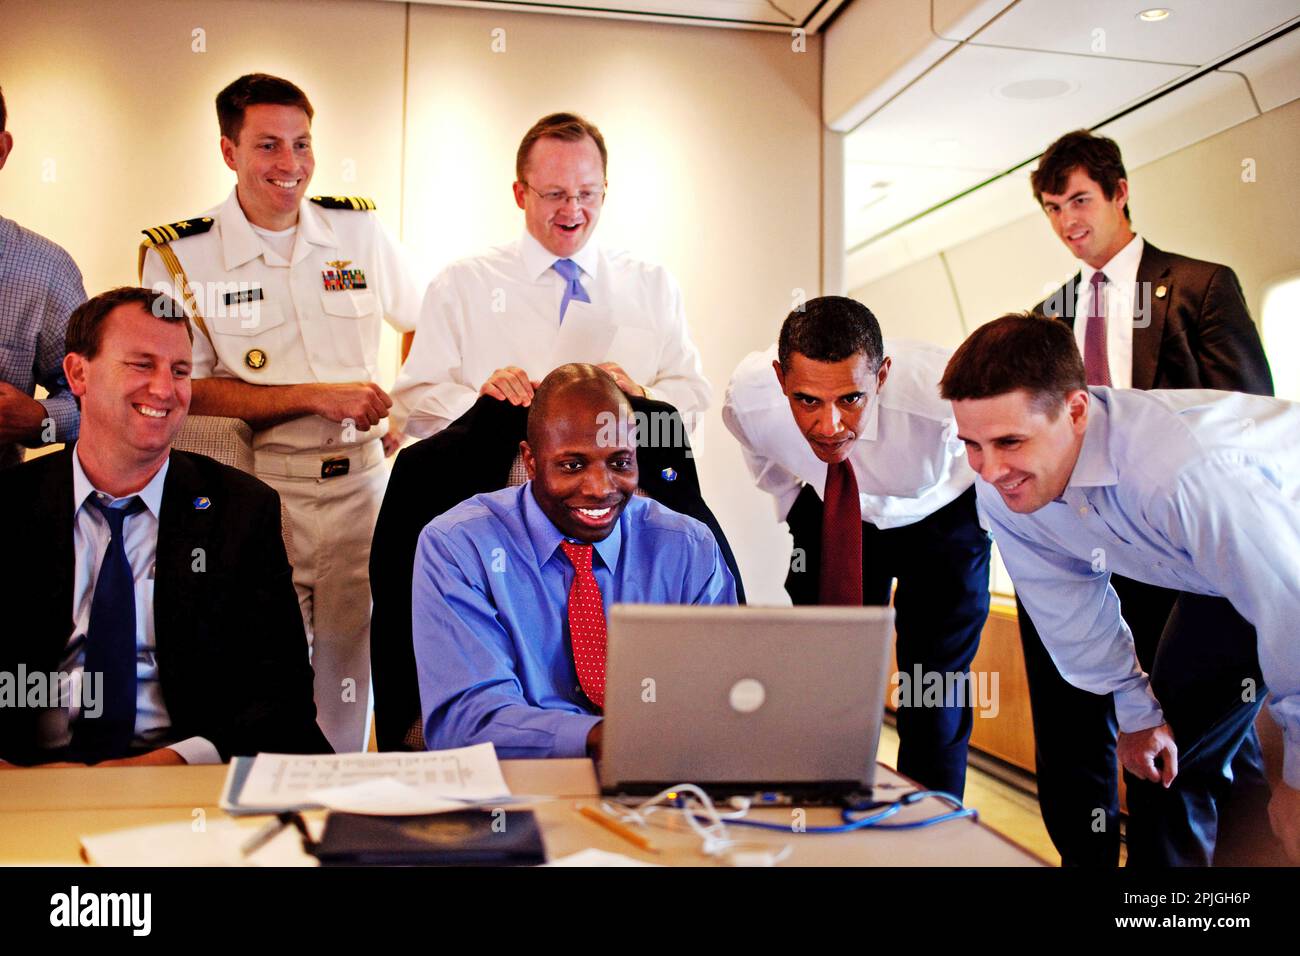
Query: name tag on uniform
[(243, 295)]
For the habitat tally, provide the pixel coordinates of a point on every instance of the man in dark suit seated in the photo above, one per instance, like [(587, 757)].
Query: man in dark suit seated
[(1142, 318), (512, 588), (161, 623), (476, 453)]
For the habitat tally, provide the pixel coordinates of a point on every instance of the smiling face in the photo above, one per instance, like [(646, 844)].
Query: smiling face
[(135, 392), (1019, 449), (831, 400), (1092, 227), (583, 471), (556, 165), (274, 163)]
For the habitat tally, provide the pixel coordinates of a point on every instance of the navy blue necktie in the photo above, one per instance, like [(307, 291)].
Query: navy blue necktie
[(573, 288), (110, 646)]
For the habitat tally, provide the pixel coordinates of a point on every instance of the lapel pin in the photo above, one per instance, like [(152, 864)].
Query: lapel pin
[(1160, 291), (255, 359), (202, 504), (669, 474)]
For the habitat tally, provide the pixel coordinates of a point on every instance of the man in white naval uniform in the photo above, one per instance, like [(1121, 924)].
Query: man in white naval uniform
[(287, 296), (498, 323)]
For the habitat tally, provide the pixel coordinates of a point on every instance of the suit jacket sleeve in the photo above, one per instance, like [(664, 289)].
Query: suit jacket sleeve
[(274, 709), (1228, 350)]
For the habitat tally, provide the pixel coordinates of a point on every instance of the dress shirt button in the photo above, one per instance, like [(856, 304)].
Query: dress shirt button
[(1083, 511)]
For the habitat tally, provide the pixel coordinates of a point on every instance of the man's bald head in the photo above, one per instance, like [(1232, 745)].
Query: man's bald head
[(581, 451), (574, 389)]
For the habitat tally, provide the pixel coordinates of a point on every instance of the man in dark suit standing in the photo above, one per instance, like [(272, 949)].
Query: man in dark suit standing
[(162, 624), (1143, 318)]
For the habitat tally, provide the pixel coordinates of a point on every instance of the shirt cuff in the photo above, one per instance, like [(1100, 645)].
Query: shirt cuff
[(62, 408), (1291, 762), (571, 735), (196, 750), (1136, 708)]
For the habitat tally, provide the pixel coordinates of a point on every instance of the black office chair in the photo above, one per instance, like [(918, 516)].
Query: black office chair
[(479, 452)]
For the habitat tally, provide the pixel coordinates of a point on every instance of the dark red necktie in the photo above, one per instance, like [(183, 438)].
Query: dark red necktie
[(586, 623), (1096, 364), (841, 574)]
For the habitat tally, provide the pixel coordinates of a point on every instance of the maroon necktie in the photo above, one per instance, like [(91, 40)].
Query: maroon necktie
[(586, 623), (841, 577), (1096, 366)]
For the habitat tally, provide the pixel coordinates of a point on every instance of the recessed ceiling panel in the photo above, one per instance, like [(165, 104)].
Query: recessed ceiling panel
[(752, 13), (983, 99), (1195, 31)]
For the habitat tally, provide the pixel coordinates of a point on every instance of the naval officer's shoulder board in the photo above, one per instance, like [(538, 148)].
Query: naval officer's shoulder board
[(159, 239), (355, 203)]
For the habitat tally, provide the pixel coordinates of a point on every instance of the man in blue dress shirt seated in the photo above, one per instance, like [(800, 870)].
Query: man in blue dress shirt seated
[(1194, 490), (512, 588)]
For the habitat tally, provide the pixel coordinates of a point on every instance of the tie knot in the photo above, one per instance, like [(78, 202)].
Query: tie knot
[(567, 268), (1098, 280), (116, 513), (579, 555)]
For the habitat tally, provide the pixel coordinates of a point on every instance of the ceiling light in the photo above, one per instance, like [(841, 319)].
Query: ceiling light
[(1154, 15)]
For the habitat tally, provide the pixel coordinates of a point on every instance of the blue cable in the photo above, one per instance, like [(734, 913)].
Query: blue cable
[(852, 823)]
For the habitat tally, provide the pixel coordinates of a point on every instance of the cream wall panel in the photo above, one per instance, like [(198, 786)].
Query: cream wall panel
[(915, 303), (111, 107)]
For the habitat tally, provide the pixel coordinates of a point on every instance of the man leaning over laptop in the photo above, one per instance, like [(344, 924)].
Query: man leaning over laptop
[(512, 588)]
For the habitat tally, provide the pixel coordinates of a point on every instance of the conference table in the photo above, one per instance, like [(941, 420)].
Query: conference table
[(44, 813)]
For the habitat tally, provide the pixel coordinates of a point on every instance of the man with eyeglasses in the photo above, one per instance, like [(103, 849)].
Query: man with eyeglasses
[(497, 323)]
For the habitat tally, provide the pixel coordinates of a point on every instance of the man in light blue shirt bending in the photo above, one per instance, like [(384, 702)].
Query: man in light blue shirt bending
[(1194, 490), (512, 588)]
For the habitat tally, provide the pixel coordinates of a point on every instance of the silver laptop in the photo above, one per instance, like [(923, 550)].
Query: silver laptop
[(774, 702)]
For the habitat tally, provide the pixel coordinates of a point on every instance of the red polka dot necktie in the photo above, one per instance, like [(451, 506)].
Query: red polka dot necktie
[(586, 623)]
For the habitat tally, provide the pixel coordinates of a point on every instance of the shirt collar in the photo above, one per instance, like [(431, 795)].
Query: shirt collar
[(546, 538), (151, 494), (240, 244), (1094, 467), (537, 259), (1122, 269)]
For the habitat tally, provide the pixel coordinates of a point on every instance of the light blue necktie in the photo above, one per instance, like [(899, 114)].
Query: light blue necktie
[(573, 287), (110, 644)]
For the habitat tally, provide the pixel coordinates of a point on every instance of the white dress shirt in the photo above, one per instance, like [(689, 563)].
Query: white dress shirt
[(907, 458), (1121, 298), (1189, 489), (503, 308), (306, 333), (90, 538)]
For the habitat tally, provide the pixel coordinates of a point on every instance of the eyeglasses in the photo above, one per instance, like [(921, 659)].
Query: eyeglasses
[(558, 197)]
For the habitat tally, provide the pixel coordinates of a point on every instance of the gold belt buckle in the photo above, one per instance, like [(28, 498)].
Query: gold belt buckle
[(334, 467)]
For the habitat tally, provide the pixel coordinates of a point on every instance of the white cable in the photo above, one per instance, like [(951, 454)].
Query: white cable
[(714, 839)]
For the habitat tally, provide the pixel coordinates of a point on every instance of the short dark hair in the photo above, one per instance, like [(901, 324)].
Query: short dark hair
[(1014, 352), (255, 89), (569, 127), (86, 326), (1097, 156), (830, 328), (4, 113)]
